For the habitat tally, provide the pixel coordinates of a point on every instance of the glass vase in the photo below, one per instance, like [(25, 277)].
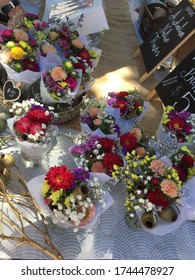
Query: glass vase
[(32, 154)]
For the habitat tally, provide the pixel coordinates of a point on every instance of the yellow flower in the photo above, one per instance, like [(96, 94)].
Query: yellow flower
[(62, 84), (93, 54), (53, 35), (44, 188), (67, 200), (17, 53), (55, 196)]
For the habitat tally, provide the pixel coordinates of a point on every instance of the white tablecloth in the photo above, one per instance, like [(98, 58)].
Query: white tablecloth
[(112, 238)]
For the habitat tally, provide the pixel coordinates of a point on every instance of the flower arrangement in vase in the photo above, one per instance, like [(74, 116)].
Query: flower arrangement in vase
[(19, 56), (75, 199), (178, 125), (97, 154), (95, 118), (34, 127), (154, 189)]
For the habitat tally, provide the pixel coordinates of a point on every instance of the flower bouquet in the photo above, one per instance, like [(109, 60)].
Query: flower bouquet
[(95, 118), (130, 107), (34, 127), (61, 83), (18, 56), (97, 154), (72, 199), (154, 193), (177, 125)]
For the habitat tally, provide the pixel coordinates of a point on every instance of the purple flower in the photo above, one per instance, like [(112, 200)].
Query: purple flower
[(81, 175), (76, 150)]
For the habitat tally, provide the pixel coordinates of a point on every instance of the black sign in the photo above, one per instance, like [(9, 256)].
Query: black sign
[(171, 31), (10, 91), (178, 88)]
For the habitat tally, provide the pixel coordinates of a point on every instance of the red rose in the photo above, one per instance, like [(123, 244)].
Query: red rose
[(84, 54), (154, 181), (187, 160), (182, 173), (155, 196), (136, 104), (128, 141), (80, 65)]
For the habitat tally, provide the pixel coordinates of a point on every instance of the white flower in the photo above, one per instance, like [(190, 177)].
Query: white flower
[(138, 191), (131, 215)]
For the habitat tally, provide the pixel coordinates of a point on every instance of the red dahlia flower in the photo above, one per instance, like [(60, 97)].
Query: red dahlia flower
[(128, 141), (176, 124), (59, 177)]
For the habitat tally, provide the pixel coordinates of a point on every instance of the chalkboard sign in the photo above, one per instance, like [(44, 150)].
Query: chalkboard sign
[(171, 31), (178, 88), (10, 91)]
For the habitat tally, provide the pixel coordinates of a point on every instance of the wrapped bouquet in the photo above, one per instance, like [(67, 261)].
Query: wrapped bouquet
[(75, 198)]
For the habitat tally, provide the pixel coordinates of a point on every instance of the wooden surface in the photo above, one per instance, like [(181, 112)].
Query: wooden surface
[(117, 69)]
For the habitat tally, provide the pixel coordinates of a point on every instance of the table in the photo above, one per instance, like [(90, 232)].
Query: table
[(112, 238)]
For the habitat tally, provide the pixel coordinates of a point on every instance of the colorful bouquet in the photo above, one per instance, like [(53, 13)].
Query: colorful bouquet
[(17, 50), (153, 188), (97, 154), (129, 103), (33, 122), (34, 127), (178, 125), (18, 56), (75, 198), (94, 117), (60, 84)]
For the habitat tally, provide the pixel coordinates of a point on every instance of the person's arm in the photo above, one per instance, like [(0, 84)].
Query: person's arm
[(13, 10)]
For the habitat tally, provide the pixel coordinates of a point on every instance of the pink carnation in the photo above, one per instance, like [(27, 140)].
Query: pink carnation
[(58, 74), (169, 188), (157, 166)]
